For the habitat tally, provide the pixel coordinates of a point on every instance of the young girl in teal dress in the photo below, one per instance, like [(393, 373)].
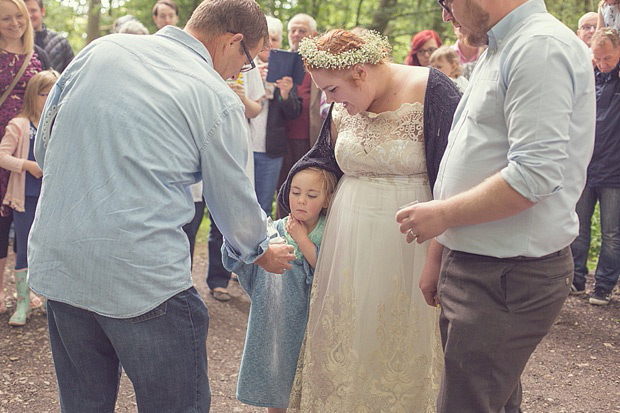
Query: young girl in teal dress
[(279, 309)]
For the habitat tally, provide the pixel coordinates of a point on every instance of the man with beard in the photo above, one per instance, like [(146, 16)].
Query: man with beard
[(504, 209)]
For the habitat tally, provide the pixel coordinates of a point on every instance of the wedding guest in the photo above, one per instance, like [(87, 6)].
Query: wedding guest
[(468, 55), (268, 129), (609, 14), (587, 26), (446, 61), (303, 131), (56, 47), (165, 12), (603, 181), (423, 45), (20, 62), (16, 155)]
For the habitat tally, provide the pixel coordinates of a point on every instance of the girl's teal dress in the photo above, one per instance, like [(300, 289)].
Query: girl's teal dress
[(276, 324)]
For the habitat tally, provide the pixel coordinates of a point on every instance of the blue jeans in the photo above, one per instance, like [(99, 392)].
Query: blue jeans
[(608, 267), (162, 351), (266, 173), (23, 222)]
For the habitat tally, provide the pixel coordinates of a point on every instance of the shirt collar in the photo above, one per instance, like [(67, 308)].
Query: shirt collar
[(503, 28), (615, 72), (187, 40)]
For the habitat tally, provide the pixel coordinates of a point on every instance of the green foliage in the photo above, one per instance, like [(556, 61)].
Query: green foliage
[(595, 239), (397, 19)]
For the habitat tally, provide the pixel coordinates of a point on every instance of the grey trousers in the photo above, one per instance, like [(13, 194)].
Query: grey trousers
[(494, 312)]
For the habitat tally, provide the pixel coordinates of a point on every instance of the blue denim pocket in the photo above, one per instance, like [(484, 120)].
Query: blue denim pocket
[(154, 313)]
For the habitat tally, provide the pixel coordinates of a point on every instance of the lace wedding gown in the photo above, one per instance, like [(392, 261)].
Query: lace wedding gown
[(372, 343)]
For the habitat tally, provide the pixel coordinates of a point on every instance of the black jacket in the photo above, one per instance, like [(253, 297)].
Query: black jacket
[(57, 48), (440, 101), (279, 112)]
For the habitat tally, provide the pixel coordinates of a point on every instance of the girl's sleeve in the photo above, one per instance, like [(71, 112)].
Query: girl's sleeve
[(8, 145), (245, 272)]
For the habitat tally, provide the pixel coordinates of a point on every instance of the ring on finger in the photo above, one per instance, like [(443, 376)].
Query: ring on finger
[(412, 234)]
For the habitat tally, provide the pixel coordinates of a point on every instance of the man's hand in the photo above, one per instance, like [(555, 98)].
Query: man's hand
[(277, 258), (422, 221)]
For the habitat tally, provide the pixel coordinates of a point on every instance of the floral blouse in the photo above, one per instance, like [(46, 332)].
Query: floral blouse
[(10, 63)]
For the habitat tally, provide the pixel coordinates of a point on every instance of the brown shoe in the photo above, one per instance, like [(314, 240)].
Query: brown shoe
[(221, 294)]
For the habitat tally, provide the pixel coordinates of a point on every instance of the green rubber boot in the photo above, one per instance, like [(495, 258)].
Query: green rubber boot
[(22, 311)]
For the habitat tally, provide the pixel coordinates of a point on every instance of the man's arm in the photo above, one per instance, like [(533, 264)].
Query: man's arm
[(539, 101), (491, 200), (231, 198)]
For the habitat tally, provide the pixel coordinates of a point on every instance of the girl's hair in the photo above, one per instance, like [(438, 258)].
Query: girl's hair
[(37, 84), (28, 36), (416, 44), (449, 54), (329, 182)]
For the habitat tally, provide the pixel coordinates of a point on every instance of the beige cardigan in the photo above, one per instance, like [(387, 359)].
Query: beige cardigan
[(14, 149)]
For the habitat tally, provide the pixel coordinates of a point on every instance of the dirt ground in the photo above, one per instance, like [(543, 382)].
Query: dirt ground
[(575, 369)]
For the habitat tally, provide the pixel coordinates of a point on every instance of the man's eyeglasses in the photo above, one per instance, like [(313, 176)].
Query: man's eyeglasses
[(445, 4), (587, 27), (248, 66), (428, 51)]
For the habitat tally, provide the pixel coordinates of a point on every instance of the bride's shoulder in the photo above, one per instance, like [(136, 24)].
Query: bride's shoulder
[(413, 80)]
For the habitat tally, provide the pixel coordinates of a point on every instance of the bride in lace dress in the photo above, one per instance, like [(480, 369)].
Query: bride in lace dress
[(372, 342)]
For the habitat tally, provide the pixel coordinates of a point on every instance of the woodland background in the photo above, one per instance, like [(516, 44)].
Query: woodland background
[(82, 21)]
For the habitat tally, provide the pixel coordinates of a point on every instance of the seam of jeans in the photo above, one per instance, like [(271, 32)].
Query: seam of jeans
[(195, 349)]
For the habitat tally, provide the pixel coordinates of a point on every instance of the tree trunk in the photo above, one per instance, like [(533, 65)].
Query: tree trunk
[(383, 15), (94, 16)]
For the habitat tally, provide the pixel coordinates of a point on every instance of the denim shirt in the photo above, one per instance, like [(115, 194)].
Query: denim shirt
[(529, 114), (135, 120)]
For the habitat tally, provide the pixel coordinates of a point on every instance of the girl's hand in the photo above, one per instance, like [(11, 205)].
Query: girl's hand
[(285, 85), (262, 68), (296, 228), (238, 89), (33, 168)]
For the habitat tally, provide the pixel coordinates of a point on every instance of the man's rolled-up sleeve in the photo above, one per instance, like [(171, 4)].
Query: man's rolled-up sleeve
[(538, 107)]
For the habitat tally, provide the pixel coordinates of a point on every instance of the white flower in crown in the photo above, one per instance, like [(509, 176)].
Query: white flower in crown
[(375, 48)]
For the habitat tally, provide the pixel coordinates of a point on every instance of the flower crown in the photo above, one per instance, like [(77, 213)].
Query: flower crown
[(375, 48)]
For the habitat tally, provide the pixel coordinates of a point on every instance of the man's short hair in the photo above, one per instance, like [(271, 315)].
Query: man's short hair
[(216, 17), (588, 15), (604, 35), (305, 18), (168, 3)]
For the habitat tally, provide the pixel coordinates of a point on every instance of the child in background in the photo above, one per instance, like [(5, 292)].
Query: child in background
[(279, 309), (446, 60), (24, 187), (609, 14)]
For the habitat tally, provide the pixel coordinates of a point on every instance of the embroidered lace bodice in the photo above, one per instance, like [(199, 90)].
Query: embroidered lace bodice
[(385, 144)]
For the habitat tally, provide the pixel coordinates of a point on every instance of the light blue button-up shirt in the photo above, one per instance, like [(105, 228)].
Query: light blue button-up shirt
[(138, 119), (529, 114)]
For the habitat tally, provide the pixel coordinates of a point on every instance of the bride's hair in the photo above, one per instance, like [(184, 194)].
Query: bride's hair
[(342, 49)]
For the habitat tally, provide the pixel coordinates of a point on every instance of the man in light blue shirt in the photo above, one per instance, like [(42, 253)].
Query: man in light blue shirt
[(131, 123), (504, 213)]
